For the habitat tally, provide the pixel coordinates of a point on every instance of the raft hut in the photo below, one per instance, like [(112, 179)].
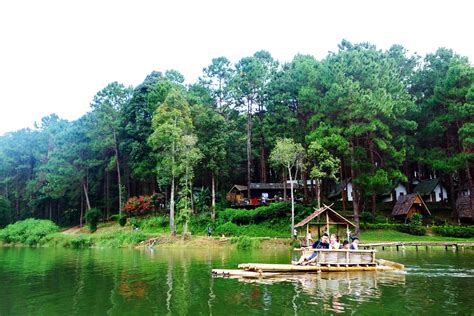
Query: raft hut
[(409, 204), (323, 217)]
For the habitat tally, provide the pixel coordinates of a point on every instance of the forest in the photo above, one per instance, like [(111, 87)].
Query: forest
[(379, 117)]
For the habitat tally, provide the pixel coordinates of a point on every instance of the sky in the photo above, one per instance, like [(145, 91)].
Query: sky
[(55, 55)]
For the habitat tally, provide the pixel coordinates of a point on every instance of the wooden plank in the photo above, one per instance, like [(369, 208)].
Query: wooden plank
[(265, 267)]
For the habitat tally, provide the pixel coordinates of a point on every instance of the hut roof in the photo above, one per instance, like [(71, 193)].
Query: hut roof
[(426, 187), (405, 202), (238, 187), (464, 208), (335, 217)]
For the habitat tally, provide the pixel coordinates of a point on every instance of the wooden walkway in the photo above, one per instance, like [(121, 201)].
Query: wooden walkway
[(398, 245)]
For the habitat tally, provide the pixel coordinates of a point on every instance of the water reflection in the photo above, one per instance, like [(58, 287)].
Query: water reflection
[(327, 289), (179, 282)]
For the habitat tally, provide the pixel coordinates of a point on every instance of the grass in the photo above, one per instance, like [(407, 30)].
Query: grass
[(392, 235)]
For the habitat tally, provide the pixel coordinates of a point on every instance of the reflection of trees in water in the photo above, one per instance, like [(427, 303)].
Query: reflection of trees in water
[(330, 290)]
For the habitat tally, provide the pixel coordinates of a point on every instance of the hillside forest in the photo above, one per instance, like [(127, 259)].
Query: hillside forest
[(379, 117)]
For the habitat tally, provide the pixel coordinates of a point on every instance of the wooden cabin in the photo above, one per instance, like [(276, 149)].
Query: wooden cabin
[(407, 205), (465, 208), (323, 217), (267, 191), (432, 190)]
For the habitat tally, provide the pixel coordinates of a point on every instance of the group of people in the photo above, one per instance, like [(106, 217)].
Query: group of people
[(327, 242)]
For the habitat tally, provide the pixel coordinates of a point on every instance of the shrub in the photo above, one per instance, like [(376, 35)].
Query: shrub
[(245, 242), (412, 229), (416, 219), (367, 217), (228, 229), (29, 231), (454, 231), (122, 220), (92, 217), (199, 223), (154, 223), (135, 222)]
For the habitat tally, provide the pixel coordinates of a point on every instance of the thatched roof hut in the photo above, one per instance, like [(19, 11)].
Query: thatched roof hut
[(464, 208), (325, 216), (409, 204)]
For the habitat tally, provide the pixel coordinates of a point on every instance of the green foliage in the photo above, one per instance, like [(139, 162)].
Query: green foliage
[(5, 212), (275, 213), (122, 220), (135, 222), (155, 223), (367, 217), (416, 219), (92, 217), (29, 231), (245, 243), (412, 229), (454, 231), (404, 228), (228, 229)]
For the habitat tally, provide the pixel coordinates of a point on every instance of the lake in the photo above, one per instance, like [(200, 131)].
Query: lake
[(61, 281)]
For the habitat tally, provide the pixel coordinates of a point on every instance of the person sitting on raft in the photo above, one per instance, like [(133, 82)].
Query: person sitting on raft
[(345, 244), (322, 243), (334, 242), (355, 243)]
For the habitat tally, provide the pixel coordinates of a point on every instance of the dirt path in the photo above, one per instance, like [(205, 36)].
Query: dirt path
[(72, 230)]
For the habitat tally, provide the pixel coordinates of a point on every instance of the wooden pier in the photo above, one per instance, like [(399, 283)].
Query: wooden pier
[(452, 245)]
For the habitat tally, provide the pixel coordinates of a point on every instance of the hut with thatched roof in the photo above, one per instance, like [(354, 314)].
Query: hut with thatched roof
[(465, 208), (409, 204)]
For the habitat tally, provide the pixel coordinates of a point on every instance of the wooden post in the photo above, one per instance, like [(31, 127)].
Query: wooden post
[(327, 222)]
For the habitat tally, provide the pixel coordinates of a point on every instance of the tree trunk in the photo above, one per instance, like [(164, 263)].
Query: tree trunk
[(355, 194), (318, 192), (292, 206), (452, 199), (305, 185), (82, 211), (50, 209), (285, 195), (172, 226), (86, 194), (372, 162), (263, 162), (343, 186), (119, 179), (249, 147), (471, 186), (213, 195)]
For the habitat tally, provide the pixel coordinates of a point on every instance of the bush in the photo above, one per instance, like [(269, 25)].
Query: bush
[(92, 217), (412, 229), (29, 231), (154, 223), (276, 212), (135, 222), (122, 220), (454, 231), (367, 217), (409, 229), (245, 242), (228, 229), (200, 223), (416, 219)]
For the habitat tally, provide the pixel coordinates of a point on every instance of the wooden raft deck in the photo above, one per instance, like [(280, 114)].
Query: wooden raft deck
[(327, 261)]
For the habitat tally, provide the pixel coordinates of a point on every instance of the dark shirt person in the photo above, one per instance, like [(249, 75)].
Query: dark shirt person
[(322, 243)]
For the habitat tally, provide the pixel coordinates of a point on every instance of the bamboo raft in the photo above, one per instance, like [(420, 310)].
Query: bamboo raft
[(327, 261)]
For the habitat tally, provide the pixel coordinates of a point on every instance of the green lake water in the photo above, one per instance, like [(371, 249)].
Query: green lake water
[(179, 282)]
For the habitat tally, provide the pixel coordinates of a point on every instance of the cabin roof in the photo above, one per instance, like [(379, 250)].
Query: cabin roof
[(405, 202), (339, 186), (263, 186), (464, 208), (426, 187), (334, 216)]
